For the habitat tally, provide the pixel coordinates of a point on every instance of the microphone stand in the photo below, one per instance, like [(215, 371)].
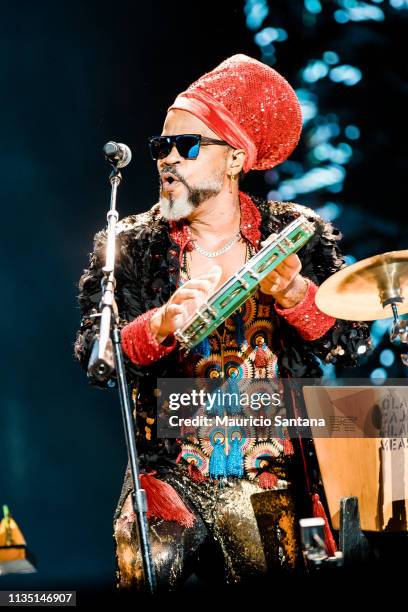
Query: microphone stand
[(106, 356)]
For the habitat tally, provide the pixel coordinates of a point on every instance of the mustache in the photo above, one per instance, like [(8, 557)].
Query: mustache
[(174, 172)]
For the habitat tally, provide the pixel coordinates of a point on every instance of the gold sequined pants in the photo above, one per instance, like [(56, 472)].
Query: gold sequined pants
[(241, 532)]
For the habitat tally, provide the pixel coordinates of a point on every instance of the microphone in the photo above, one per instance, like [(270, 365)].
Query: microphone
[(117, 154)]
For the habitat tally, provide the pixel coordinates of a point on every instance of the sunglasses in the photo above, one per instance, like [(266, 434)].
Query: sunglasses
[(188, 145)]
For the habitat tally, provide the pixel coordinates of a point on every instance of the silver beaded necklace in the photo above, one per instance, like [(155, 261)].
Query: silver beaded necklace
[(225, 248)]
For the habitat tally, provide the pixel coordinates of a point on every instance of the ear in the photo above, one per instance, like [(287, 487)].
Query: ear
[(236, 161)]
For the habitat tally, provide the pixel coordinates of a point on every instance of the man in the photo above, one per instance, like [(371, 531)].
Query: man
[(242, 115)]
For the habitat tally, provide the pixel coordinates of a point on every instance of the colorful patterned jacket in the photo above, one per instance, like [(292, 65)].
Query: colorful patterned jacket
[(148, 272)]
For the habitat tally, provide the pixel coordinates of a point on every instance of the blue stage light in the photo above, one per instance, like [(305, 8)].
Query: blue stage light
[(274, 195), (329, 211), (345, 148), (366, 12), (341, 16), (399, 4), (265, 36), (338, 155), (313, 6), (282, 35), (315, 70), (330, 57), (308, 104), (349, 75), (269, 35), (271, 177), (313, 180), (352, 132), (336, 188), (329, 371), (347, 4), (309, 110), (387, 357), (322, 133), (256, 11), (287, 190), (322, 152), (378, 376), (378, 330), (357, 11), (292, 167)]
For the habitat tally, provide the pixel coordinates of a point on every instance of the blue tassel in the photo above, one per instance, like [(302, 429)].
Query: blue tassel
[(203, 348), (217, 408), (233, 405), (218, 461), (215, 389), (235, 465), (239, 328)]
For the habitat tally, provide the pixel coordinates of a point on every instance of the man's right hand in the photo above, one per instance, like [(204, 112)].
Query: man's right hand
[(183, 303)]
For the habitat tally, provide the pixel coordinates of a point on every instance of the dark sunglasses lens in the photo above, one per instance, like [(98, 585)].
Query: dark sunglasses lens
[(188, 146), (159, 147)]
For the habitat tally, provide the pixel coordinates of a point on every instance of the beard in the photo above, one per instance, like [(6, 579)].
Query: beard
[(175, 208)]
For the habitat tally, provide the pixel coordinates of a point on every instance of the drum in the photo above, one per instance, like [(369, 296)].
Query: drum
[(364, 451)]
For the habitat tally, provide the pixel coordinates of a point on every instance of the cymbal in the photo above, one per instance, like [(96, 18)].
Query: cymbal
[(357, 292)]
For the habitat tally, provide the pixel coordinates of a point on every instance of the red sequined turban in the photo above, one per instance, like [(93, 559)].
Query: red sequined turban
[(250, 106)]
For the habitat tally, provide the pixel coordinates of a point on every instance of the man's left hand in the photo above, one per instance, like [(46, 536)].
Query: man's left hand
[(285, 283)]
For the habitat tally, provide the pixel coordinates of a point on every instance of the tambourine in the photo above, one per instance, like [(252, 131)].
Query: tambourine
[(236, 290)]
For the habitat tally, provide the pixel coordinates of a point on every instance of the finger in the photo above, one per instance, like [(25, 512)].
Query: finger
[(215, 269), (282, 272), (271, 287), (202, 285), (287, 273), (271, 282), (191, 300), (205, 282), (174, 309), (271, 278), (282, 275), (213, 277), (291, 262), (212, 273), (179, 312), (185, 294), (269, 239), (292, 277)]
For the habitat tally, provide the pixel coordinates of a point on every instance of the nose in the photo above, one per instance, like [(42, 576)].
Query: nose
[(173, 157)]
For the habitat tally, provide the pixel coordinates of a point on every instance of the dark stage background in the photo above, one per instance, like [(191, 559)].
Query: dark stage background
[(75, 75)]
